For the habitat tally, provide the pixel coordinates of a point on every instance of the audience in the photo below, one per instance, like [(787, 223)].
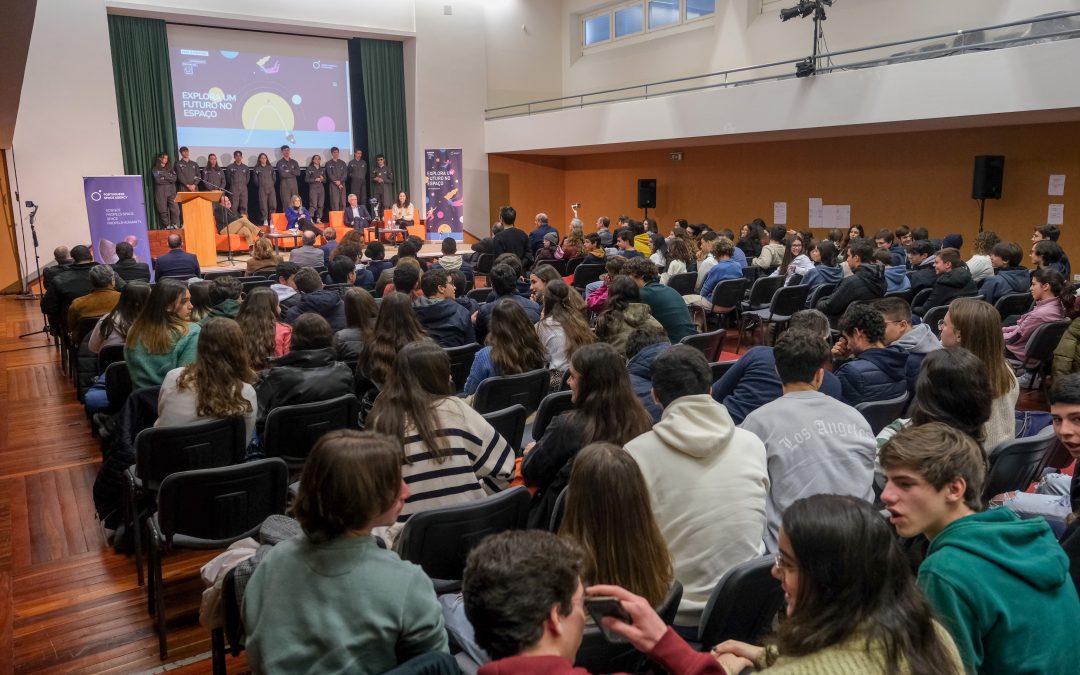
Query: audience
[(867, 281), (175, 263), (126, 267), (314, 298), (561, 329), (548, 247), (923, 259), (539, 233), (680, 260), (751, 381), (707, 480), (666, 304), (450, 260), (724, 269), (706, 259), (285, 286), (101, 299), (795, 260), (341, 271), (980, 265), (623, 314), (62, 260), (896, 278), (874, 373), (511, 347), (825, 270), (1054, 298), (225, 295), (1052, 233), (73, 282), (814, 444), (509, 239), (624, 242), (852, 603), (307, 255), (451, 454), (332, 600), (262, 257), (111, 331), (596, 293), (216, 385), (503, 281), (162, 338), (953, 280), (885, 241), (750, 238), (540, 277), (395, 327), (772, 252), (200, 300), (360, 315), (1047, 253), (329, 234), (915, 341), (1008, 276), (375, 252), (444, 320), (1000, 585), (643, 345), (266, 336)]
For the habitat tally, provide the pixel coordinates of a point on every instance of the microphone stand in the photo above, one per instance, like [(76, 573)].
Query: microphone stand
[(29, 295), (228, 232)]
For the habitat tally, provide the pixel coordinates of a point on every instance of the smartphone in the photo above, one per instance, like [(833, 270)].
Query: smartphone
[(599, 606), (576, 205)]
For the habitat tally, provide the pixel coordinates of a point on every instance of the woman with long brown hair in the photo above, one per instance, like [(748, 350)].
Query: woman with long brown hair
[(360, 315), (163, 337), (396, 327), (562, 329), (681, 259), (511, 346), (605, 409), (217, 385), (540, 277), (266, 336), (608, 513), (451, 453), (262, 257)]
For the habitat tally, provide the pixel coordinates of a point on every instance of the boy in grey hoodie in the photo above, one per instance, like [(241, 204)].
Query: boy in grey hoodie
[(915, 341)]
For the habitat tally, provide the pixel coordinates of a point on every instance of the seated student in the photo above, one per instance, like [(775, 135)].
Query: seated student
[(694, 459), (795, 260), (1047, 253), (126, 267), (814, 444), (548, 245), (307, 255), (825, 270), (285, 285), (623, 314), (266, 336), (666, 304), (706, 259), (624, 242), (332, 600), (215, 386), (599, 384), (111, 330), (724, 269), (315, 298), (176, 263), (922, 258), (867, 281), (643, 345), (896, 278), (352, 275), (533, 623), (375, 252), (310, 372), (522, 282), (1057, 256), (101, 300), (875, 373), (504, 282), (772, 250), (451, 454), (360, 314), (852, 602), (409, 249), (1008, 276), (914, 341), (262, 257), (561, 328), (1054, 298), (225, 295), (593, 248), (444, 320), (752, 381), (540, 277), (330, 235), (342, 274), (395, 327), (384, 285), (999, 584), (680, 260), (596, 293), (450, 260), (750, 238), (980, 265), (902, 236), (885, 241), (200, 300), (162, 337), (953, 280), (511, 347)]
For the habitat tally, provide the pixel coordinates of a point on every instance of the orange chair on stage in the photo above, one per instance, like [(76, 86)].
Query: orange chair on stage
[(415, 229)]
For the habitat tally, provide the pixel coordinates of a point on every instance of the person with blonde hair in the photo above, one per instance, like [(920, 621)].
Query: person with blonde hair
[(262, 257)]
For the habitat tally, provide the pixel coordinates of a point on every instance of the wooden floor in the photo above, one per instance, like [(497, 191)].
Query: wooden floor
[(68, 604)]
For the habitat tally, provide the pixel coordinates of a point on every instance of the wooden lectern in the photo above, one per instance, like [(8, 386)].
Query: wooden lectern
[(200, 228)]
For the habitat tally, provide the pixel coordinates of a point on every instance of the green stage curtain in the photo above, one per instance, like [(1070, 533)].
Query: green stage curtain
[(383, 66), (144, 101)]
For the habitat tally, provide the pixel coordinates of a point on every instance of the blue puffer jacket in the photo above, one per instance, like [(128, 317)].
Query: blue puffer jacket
[(1005, 281), (640, 368), (875, 375)]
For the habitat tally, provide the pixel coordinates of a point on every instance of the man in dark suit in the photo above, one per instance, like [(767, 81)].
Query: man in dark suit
[(357, 215), (63, 262), (177, 262), (72, 283), (127, 268)]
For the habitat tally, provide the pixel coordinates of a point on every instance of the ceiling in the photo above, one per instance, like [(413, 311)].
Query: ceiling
[(18, 23)]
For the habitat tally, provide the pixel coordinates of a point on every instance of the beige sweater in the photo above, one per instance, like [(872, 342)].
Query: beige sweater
[(853, 657)]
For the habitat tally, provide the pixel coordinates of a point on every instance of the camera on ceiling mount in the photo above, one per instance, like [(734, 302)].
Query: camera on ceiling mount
[(805, 8)]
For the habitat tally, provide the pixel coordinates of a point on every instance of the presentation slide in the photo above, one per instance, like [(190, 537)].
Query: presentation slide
[(254, 92)]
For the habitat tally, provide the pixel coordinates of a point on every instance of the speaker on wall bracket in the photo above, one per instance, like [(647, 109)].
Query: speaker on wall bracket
[(646, 194), (986, 180)]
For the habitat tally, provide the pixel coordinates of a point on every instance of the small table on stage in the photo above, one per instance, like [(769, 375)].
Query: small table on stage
[(276, 237), (390, 234)]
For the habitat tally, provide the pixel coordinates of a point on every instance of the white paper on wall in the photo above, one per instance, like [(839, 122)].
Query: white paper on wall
[(1057, 185), (815, 212), (1055, 215), (836, 215), (779, 213)]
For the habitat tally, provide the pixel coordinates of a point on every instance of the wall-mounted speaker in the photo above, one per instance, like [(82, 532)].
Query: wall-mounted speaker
[(987, 178), (646, 193)]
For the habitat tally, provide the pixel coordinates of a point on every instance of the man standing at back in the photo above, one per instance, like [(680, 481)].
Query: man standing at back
[(707, 479), (510, 239), (814, 444)]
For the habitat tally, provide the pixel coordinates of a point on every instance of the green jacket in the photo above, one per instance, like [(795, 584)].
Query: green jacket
[(669, 309), (149, 370), (1001, 586), (1067, 354), (226, 308)]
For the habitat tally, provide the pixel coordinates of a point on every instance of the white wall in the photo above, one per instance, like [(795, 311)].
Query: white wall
[(524, 50)]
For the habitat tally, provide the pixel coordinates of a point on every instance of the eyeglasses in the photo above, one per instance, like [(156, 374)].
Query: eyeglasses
[(783, 564)]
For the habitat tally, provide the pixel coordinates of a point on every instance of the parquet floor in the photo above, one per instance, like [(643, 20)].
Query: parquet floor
[(68, 604)]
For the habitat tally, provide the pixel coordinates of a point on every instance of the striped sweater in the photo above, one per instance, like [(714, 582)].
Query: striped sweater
[(480, 463)]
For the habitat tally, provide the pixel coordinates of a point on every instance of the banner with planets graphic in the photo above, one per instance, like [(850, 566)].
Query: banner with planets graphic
[(233, 91), (116, 211), (443, 194)]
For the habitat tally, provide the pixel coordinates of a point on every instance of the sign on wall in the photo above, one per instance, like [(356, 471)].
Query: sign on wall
[(116, 211), (443, 194)]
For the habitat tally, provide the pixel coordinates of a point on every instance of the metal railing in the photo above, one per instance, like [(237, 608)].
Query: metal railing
[(771, 71)]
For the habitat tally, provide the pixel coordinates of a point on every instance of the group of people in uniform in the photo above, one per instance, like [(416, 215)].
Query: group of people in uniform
[(273, 184)]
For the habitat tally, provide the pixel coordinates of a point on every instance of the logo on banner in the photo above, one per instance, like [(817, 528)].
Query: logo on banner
[(96, 195)]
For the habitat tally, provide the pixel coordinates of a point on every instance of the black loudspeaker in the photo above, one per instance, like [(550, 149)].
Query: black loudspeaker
[(987, 177), (646, 193)]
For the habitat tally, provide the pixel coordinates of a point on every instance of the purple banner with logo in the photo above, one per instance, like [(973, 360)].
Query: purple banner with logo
[(116, 211), (443, 192)]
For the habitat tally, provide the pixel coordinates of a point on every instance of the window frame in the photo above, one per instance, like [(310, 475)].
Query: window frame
[(626, 5), (646, 30), (585, 18)]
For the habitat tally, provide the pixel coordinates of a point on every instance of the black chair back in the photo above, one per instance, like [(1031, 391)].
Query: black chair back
[(819, 292), (510, 423), (230, 606), (162, 451), (788, 300), (597, 655), (551, 407), (439, 540), (480, 295), (683, 283), (728, 293), (1015, 464), (212, 508), (710, 344), (743, 604), (751, 273), (1013, 304), (292, 430), (572, 265), (108, 356), (484, 264), (880, 413), (587, 273), (719, 368), (1044, 340), (921, 296), (527, 389), (461, 360), (118, 385), (250, 283), (903, 295), (558, 265), (557, 511), (762, 292), (933, 317)]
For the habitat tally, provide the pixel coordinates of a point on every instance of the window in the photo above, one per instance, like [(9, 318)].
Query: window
[(636, 18)]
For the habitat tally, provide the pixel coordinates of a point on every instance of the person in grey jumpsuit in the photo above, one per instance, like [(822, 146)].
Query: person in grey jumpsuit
[(336, 173), (382, 176), (187, 172), (358, 177), (238, 174), (165, 192), (213, 176), (263, 175), (315, 177), (288, 170)]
